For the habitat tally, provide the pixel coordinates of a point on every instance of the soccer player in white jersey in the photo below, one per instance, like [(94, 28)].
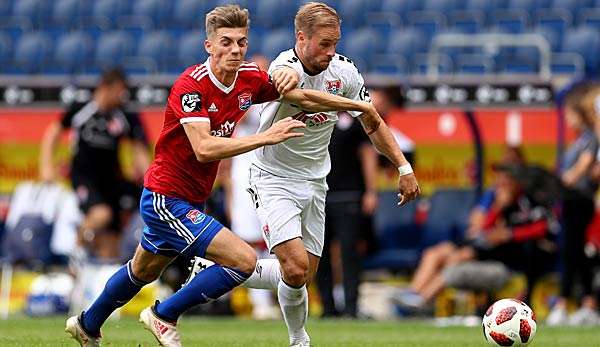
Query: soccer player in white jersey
[(287, 180)]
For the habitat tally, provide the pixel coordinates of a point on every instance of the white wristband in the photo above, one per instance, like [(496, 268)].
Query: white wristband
[(405, 169)]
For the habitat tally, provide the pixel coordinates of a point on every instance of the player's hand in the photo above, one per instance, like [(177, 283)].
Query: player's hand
[(408, 188), (369, 202), (285, 79), (283, 130)]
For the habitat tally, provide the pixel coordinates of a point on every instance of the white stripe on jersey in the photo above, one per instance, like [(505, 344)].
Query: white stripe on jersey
[(248, 69), (197, 71), (249, 64), (194, 119)]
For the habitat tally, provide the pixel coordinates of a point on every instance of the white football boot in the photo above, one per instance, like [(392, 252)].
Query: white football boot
[(197, 264), (73, 328), (165, 332)]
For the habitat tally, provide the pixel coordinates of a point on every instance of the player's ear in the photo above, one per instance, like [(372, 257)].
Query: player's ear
[(300, 36), (208, 46)]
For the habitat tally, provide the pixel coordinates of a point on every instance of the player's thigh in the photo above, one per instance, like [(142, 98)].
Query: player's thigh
[(313, 220), (227, 249), (148, 266)]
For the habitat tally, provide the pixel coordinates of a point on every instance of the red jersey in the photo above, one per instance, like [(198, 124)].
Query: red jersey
[(197, 96)]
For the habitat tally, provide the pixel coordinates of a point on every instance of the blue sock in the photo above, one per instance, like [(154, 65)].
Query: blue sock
[(119, 289), (208, 285)]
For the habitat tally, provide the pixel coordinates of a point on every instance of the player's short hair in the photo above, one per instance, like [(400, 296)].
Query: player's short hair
[(313, 15), (112, 76), (228, 16)]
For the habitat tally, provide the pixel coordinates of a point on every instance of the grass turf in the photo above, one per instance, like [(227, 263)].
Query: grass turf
[(234, 332)]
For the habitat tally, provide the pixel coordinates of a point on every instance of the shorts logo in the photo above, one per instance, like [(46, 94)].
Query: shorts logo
[(195, 216), (266, 231), (245, 100), (333, 87), (191, 102)]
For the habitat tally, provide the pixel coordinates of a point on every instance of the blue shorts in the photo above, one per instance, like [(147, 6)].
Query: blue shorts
[(174, 226)]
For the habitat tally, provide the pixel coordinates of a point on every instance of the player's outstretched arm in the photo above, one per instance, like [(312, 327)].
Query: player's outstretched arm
[(384, 142), (209, 148), (317, 101)]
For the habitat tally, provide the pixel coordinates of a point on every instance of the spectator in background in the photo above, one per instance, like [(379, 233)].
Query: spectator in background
[(99, 126), (507, 225), (387, 100), (352, 196), (578, 208)]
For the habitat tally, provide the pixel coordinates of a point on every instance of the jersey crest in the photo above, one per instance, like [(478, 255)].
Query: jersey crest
[(333, 87), (245, 100), (195, 216)]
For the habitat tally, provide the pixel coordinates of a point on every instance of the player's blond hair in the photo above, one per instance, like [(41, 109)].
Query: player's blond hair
[(313, 15), (228, 16)]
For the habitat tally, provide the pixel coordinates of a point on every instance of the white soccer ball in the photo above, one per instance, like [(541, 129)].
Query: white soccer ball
[(509, 322)]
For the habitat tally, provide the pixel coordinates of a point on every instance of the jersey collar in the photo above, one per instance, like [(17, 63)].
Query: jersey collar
[(306, 71), (218, 83)]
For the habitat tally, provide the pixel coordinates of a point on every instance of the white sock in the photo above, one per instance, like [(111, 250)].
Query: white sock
[(266, 275), (294, 306)]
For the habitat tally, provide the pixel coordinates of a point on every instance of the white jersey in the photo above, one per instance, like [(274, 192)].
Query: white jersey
[(307, 157)]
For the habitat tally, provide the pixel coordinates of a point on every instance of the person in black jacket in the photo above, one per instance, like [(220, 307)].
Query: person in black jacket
[(96, 176)]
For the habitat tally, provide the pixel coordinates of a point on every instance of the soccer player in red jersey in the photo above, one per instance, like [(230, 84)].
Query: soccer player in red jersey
[(204, 105)]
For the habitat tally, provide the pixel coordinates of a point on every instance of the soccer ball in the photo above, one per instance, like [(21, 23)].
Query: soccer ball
[(509, 322)]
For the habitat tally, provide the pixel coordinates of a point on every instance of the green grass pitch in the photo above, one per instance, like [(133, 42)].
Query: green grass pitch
[(235, 332)]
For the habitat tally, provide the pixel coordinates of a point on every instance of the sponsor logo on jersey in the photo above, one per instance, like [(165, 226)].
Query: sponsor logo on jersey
[(245, 100), (333, 87), (195, 216), (226, 130), (213, 108), (190, 102), (311, 120)]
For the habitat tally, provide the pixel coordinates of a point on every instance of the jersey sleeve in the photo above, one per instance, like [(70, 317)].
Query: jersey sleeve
[(186, 101), (266, 90), (355, 88)]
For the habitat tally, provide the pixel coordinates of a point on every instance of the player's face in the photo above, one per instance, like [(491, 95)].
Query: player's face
[(227, 48), (319, 48), (115, 95)]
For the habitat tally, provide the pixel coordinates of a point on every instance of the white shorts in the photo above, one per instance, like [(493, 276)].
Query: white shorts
[(289, 208)]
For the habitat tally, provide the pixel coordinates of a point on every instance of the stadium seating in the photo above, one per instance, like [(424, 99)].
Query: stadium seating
[(190, 51), (584, 41), (397, 235), (568, 20), (448, 215), (276, 42), (73, 52), (32, 52)]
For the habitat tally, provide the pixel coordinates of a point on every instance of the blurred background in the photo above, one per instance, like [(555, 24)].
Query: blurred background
[(473, 89)]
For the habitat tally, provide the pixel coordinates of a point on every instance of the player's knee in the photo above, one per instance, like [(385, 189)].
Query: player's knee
[(295, 273), (246, 262)]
